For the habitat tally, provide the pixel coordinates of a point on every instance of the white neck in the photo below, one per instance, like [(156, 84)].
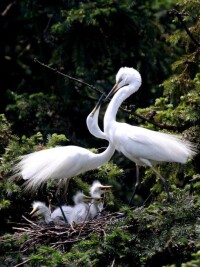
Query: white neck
[(93, 126), (103, 157), (47, 216), (115, 103)]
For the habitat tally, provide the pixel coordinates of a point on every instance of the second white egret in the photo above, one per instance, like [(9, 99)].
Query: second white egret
[(140, 145), (62, 163)]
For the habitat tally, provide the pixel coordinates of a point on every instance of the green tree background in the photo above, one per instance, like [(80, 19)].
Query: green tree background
[(91, 40)]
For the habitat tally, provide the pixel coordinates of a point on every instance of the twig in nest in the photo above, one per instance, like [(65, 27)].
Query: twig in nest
[(62, 236)]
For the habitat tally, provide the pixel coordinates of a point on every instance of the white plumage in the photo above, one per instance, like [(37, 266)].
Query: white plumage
[(62, 162), (143, 146), (96, 192), (80, 211), (57, 214), (140, 144), (41, 210)]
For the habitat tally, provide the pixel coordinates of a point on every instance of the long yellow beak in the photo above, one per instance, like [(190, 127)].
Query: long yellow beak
[(32, 213), (87, 198), (101, 99), (112, 91), (106, 187)]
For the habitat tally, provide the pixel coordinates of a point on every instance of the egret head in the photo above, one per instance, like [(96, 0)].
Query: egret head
[(97, 189), (126, 76), (80, 198), (39, 209)]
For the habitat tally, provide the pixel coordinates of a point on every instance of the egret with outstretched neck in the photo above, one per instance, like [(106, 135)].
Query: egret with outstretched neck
[(62, 163)]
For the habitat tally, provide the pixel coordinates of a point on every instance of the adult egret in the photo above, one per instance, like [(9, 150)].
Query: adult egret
[(62, 163), (140, 145), (97, 203)]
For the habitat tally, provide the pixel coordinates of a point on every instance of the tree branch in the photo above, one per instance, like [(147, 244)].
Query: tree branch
[(7, 9), (67, 76), (161, 126), (179, 15)]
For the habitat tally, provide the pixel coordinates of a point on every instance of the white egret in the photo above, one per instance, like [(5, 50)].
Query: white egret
[(62, 163), (140, 145), (57, 213), (80, 211), (95, 207), (41, 210), (97, 203)]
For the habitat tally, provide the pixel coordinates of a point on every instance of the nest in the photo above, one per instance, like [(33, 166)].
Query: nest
[(63, 236)]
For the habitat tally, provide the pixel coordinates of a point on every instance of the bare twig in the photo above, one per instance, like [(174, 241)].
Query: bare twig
[(60, 236), (7, 9), (161, 126), (28, 220), (67, 76), (113, 262), (22, 263)]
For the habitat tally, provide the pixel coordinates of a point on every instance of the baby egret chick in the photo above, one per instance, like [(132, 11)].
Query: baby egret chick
[(98, 189), (41, 210), (96, 192), (57, 214), (80, 211)]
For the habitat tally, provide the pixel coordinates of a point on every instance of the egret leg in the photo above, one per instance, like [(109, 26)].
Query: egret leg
[(57, 195), (58, 188), (137, 184), (66, 189), (61, 209), (164, 183)]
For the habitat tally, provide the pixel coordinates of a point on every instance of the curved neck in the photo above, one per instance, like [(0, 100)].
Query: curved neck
[(103, 157), (93, 126), (47, 216), (111, 111), (115, 103)]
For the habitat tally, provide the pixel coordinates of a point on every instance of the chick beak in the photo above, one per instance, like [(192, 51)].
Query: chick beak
[(87, 198), (33, 212), (106, 188)]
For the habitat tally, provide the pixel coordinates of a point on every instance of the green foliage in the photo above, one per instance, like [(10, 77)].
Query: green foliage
[(37, 112), (47, 257), (193, 263), (56, 139), (88, 40), (5, 132), (105, 51), (156, 235)]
